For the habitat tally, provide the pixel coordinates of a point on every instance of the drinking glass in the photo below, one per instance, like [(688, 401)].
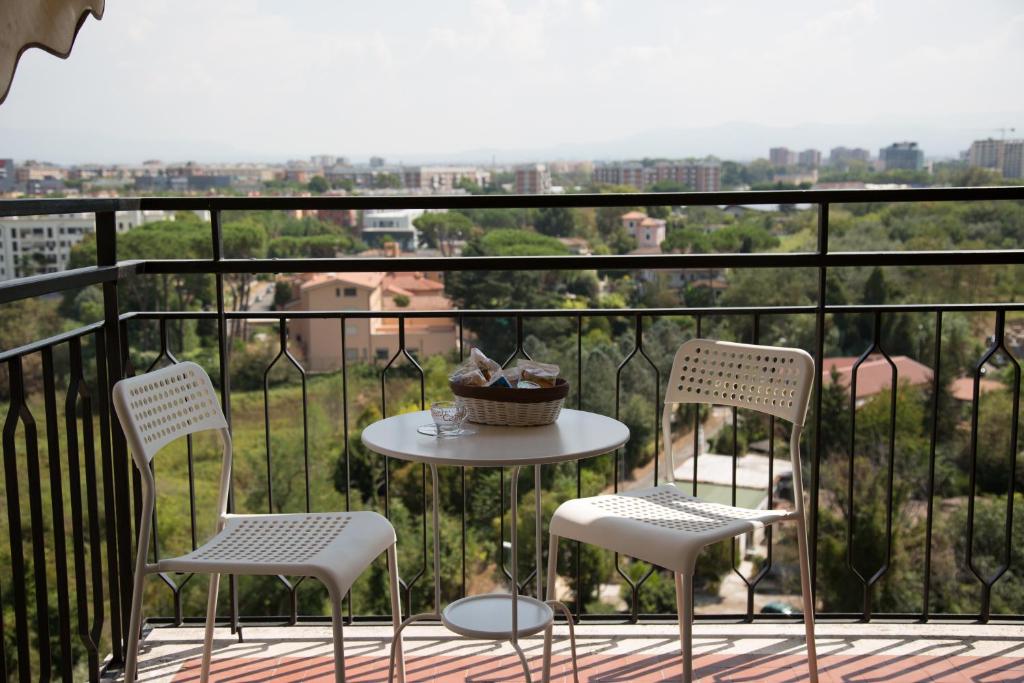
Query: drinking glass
[(448, 417)]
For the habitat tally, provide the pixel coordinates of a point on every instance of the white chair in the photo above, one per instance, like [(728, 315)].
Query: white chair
[(668, 528), (160, 407)]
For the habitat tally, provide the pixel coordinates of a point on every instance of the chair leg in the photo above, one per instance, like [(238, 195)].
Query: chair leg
[(808, 599), (684, 603), (549, 594), (211, 618), (131, 666), (396, 612), (339, 643)]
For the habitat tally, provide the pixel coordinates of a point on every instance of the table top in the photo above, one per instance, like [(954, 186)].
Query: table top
[(576, 434)]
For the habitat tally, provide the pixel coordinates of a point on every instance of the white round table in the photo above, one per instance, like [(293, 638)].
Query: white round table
[(576, 434)]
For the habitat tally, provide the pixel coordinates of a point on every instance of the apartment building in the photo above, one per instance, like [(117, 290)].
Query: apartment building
[(781, 157), (370, 339), (442, 179), (901, 155), (32, 245), (1005, 156), (1013, 159), (702, 176), (8, 177), (809, 158), (842, 156), (533, 179)]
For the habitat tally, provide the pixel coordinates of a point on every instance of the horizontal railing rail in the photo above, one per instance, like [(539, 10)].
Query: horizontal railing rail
[(89, 528)]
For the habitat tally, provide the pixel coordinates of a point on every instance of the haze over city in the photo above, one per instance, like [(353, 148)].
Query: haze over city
[(517, 81)]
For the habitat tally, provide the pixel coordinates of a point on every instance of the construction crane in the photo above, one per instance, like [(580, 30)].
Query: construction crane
[(1004, 131)]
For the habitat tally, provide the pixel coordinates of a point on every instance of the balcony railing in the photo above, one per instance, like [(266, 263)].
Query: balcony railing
[(71, 493)]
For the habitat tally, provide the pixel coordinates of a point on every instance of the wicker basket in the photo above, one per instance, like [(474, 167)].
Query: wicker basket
[(512, 407)]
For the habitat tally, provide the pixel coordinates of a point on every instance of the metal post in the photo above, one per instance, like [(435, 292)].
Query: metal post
[(106, 255)]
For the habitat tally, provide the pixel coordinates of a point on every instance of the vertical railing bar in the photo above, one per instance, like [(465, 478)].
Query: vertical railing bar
[(696, 425), (462, 479), (266, 418), (892, 452), (305, 421), (407, 584), (110, 526), (819, 357), (579, 464), (1011, 492), (128, 370), (638, 343), (78, 390), (22, 641), (224, 372), (57, 505), (106, 255), (346, 454), (988, 582), (35, 502), (929, 515), (851, 518)]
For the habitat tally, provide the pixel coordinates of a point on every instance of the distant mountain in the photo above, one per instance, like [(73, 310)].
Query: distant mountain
[(738, 141)]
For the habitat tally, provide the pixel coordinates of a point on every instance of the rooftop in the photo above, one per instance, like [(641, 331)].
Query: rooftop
[(874, 375)]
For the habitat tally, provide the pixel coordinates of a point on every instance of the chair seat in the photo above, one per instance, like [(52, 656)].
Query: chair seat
[(334, 547), (660, 524)]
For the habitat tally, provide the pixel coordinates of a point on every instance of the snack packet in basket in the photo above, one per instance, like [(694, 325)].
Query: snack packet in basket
[(468, 376), (487, 366), (477, 370), (499, 380), (542, 374)]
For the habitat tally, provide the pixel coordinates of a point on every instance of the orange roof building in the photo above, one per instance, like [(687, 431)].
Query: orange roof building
[(875, 374), (370, 339)]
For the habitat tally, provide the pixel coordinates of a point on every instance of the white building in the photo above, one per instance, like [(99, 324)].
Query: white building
[(33, 245), (394, 224)]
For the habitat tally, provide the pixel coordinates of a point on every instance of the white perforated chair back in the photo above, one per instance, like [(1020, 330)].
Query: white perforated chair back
[(164, 405), (771, 380)]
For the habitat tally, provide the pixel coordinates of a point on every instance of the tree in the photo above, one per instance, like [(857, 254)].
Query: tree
[(387, 180), (442, 230), (245, 238), (514, 289), (669, 186), (554, 221), (318, 184)]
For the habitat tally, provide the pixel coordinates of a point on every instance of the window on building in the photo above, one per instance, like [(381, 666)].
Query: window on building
[(350, 291), (351, 354), (337, 292), (382, 354), (351, 329)]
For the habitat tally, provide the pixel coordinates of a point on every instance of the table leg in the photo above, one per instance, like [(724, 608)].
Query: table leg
[(436, 614), (538, 531), (514, 513), (437, 539)]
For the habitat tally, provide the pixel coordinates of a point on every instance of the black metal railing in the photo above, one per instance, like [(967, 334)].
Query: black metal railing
[(60, 624)]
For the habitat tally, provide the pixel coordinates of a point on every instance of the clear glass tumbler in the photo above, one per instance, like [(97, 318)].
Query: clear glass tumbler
[(448, 417)]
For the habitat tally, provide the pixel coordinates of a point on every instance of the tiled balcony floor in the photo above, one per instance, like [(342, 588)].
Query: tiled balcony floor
[(724, 652)]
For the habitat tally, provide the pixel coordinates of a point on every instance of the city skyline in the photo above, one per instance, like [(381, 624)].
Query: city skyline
[(539, 80)]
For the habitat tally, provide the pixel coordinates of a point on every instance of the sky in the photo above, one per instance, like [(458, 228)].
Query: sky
[(237, 80)]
